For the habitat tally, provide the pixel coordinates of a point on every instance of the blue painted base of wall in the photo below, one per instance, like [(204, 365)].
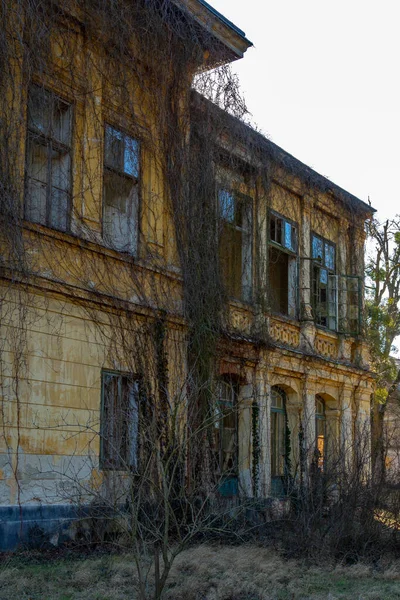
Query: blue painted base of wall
[(35, 526)]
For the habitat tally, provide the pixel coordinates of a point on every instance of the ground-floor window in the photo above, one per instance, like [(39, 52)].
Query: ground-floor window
[(278, 440), (119, 421), (226, 437), (320, 432)]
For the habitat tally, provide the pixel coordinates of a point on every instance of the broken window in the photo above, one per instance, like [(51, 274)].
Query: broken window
[(235, 243), (121, 195), (320, 432), (48, 159), (226, 438), (282, 265), (278, 440), (119, 421), (324, 282)]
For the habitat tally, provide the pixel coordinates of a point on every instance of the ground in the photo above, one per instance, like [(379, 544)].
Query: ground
[(203, 572)]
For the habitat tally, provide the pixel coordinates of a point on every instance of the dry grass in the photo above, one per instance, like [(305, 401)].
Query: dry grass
[(201, 573)]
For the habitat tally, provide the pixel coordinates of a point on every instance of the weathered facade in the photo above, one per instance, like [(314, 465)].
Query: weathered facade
[(98, 240)]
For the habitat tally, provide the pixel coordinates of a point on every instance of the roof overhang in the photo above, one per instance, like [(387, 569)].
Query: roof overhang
[(232, 39)]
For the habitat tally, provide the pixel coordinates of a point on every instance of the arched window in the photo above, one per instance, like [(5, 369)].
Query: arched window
[(226, 437), (278, 439), (320, 432)]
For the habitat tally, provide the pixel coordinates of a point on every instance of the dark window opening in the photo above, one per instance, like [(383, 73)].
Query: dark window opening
[(279, 442), (226, 437), (320, 433), (235, 244), (282, 266), (324, 283), (119, 421)]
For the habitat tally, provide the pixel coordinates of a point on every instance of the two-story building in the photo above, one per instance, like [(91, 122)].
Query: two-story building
[(148, 237)]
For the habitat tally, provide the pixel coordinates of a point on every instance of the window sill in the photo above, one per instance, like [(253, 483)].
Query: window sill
[(99, 248)]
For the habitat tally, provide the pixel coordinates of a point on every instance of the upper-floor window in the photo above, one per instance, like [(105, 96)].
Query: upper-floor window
[(324, 282), (48, 159), (119, 421), (235, 243), (121, 194), (282, 265)]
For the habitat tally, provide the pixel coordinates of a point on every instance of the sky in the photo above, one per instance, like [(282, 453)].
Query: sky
[(322, 82)]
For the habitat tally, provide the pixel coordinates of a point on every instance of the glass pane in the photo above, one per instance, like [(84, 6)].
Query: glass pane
[(114, 148), (329, 256), (276, 399), (277, 444), (37, 161), (59, 208), (319, 407), (35, 208), (61, 121), (317, 248), (288, 236), (60, 170), (323, 276), (131, 157), (226, 202), (39, 107)]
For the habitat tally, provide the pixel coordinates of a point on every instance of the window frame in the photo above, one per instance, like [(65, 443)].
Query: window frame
[(247, 289), (293, 255), (129, 461), (50, 143), (332, 284), (228, 478), (320, 417), (136, 179)]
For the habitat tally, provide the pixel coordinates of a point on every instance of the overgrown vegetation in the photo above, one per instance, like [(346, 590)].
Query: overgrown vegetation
[(153, 306), (205, 572), (383, 326)]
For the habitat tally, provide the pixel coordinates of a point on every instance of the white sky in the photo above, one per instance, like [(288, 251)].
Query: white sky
[(323, 82)]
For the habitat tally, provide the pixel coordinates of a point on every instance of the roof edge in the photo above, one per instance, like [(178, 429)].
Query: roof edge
[(219, 26)]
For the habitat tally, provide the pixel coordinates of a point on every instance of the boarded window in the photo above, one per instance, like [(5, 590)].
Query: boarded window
[(235, 243), (48, 160), (119, 421), (121, 178)]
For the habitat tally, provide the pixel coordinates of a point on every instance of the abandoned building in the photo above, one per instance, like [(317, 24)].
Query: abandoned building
[(104, 244)]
